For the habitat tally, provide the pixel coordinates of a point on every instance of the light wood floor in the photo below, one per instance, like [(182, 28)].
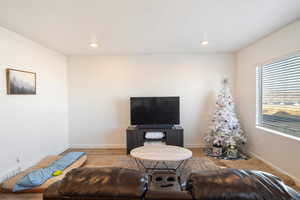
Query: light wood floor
[(108, 157)]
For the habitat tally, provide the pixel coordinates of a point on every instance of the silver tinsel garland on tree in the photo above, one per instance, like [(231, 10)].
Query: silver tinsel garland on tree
[(225, 129)]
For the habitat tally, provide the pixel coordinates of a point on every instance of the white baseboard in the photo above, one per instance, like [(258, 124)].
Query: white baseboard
[(194, 145), (120, 146), (98, 146), (297, 181)]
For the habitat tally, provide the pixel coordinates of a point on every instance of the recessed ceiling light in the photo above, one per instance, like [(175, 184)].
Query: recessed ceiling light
[(94, 45), (204, 42)]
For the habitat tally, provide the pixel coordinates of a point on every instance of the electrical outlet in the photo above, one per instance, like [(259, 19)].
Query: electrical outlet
[(18, 160)]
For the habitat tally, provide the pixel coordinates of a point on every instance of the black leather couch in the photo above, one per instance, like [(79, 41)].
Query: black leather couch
[(109, 183)]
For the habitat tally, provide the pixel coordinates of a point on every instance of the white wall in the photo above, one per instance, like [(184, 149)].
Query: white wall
[(280, 151), (32, 126), (100, 87)]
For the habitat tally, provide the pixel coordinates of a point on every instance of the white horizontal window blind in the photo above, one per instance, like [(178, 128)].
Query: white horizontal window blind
[(278, 96)]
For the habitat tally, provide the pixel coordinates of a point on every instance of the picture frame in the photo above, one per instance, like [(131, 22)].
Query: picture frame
[(20, 82)]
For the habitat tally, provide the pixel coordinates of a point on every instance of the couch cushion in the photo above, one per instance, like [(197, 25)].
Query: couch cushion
[(52, 192), (238, 184), (104, 182)]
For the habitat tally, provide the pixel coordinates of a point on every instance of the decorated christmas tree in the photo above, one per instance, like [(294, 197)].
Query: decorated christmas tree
[(225, 130)]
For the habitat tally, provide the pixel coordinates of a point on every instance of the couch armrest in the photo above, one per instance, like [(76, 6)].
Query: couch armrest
[(51, 193)]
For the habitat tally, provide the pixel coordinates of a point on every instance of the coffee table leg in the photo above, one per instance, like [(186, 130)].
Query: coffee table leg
[(167, 167), (183, 163), (154, 167), (180, 164), (140, 163)]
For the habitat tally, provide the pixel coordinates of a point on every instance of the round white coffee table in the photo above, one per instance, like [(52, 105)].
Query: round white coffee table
[(161, 154)]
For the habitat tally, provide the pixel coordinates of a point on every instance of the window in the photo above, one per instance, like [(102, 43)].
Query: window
[(278, 96)]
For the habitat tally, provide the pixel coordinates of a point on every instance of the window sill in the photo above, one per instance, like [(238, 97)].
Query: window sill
[(278, 133)]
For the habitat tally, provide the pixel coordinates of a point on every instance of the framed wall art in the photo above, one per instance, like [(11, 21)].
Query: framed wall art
[(20, 82)]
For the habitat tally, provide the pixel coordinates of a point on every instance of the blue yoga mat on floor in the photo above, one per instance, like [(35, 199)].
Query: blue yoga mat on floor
[(38, 177)]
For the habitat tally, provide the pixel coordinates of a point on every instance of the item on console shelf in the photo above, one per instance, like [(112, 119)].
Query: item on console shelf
[(154, 135), (151, 143)]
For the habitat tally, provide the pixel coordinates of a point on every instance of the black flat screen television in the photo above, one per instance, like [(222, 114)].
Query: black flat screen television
[(154, 110)]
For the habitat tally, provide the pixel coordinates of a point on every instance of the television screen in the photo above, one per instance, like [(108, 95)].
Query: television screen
[(154, 110)]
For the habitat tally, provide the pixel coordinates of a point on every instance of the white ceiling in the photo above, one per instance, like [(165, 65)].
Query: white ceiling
[(146, 26)]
